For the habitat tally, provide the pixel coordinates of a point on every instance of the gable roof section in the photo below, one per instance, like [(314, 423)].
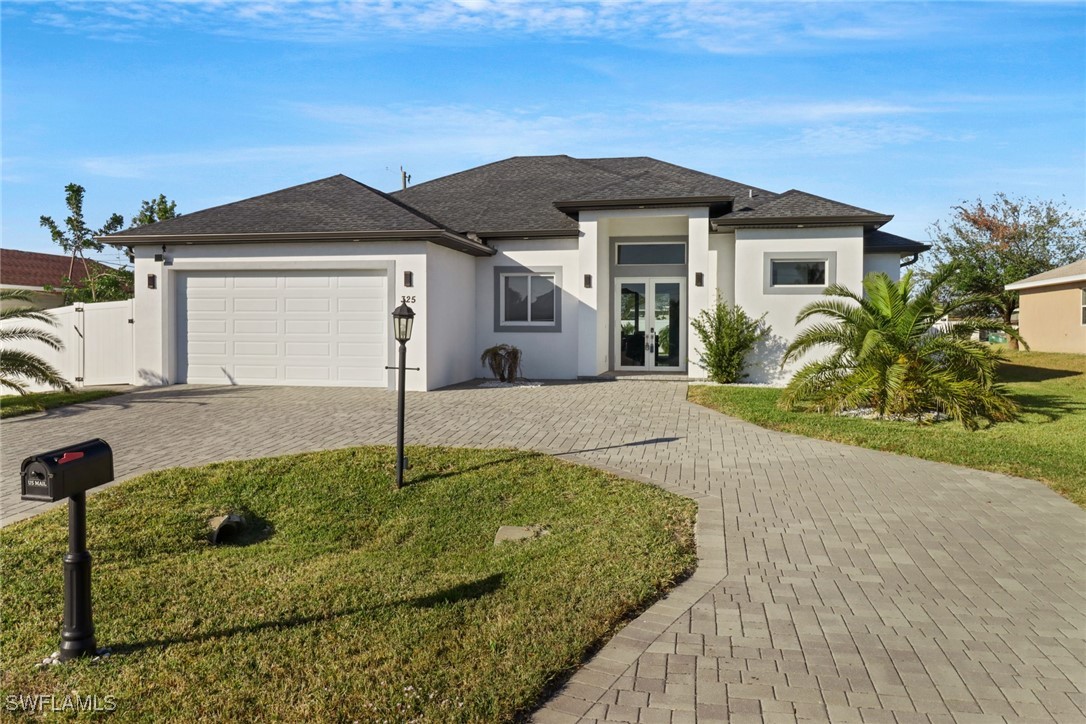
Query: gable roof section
[(335, 207), (1068, 274), (34, 269), (799, 207), (531, 194)]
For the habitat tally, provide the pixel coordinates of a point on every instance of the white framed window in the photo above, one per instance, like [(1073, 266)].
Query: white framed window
[(798, 272), (1084, 306), (527, 300), (650, 252)]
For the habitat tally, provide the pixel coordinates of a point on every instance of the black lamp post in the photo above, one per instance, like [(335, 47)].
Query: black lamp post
[(403, 319)]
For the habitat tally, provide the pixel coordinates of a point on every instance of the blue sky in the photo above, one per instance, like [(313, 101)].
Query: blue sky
[(904, 108)]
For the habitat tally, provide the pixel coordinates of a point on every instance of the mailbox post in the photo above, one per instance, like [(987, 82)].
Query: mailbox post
[(69, 473)]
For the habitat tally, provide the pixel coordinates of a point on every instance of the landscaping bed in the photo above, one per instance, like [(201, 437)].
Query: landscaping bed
[(1044, 444), (15, 405), (344, 599)]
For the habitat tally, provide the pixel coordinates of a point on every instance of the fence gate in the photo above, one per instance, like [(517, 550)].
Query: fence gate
[(97, 339)]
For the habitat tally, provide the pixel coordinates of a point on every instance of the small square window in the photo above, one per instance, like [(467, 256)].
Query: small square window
[(800, 272)]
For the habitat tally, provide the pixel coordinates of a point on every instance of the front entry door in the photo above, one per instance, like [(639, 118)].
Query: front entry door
[(650, 323)]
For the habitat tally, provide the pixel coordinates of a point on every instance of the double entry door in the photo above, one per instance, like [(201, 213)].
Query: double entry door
[(650, 323)]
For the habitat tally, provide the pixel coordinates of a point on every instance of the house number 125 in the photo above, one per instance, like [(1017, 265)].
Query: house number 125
[(408, 300)]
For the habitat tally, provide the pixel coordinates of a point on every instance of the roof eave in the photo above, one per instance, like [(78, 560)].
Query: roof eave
[(1055, 281), (437, 236), (528, 234), (873, 221), (575, 205)]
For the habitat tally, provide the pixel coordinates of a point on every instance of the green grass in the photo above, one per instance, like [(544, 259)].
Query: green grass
[(349, 600), (15, 405), (1045, 444)]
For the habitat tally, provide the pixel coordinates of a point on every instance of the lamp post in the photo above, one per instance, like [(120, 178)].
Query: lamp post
[(403, 318)]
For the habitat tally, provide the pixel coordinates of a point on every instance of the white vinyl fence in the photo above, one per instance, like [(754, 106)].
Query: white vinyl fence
[(97, 344)]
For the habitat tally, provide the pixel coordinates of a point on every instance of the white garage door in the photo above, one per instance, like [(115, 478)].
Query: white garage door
[(283, 328)]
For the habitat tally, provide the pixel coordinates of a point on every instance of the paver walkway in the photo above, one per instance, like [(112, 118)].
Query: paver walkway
[(834, 582)]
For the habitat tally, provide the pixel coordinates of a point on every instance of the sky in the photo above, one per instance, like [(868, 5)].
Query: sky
[(905, 108)]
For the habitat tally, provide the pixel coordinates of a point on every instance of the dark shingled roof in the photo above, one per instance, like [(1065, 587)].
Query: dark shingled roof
[(793, 205), (33, 269), (336, 204), (519, 194), (877, 241)]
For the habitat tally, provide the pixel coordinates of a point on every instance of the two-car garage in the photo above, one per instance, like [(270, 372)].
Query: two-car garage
[(321, 327)]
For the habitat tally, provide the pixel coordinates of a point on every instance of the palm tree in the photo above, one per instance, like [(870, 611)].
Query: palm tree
[(891, 353), (18, 366)]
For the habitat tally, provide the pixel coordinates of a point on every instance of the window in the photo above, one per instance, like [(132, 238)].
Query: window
[(786, 272), (528, 299), (1084, 305), (798, 272), (651, 253)]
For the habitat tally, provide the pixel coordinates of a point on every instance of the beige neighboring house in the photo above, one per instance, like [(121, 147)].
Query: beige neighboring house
[(33, 271), (1052, 309)]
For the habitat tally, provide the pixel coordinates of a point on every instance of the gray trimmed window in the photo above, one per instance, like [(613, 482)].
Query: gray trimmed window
[(798, 273), (527, 300), (654, 253)]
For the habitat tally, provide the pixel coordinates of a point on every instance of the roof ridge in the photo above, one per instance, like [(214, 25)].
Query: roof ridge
[(476, 168), (403, 205), (826, 198)]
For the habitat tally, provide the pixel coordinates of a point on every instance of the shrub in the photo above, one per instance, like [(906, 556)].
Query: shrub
[(888, 352), (503, 361), (727, 335)]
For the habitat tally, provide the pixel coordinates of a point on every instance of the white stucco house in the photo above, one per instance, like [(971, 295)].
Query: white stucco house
[(589, 266)]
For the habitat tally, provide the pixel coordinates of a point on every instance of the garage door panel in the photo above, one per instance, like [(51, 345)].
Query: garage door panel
[(304, 328), (241, 281), (256, 326), (255, 304)]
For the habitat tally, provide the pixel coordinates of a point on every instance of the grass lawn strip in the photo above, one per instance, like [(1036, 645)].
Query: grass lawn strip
[(15, 405), (1046, 444), (350, 601)]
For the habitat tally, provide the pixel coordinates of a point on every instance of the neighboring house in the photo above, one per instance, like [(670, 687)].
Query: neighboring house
[(587, 265), (33, 271), (1052, 309)]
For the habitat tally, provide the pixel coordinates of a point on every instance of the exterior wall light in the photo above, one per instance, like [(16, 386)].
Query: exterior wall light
[(587, 281)]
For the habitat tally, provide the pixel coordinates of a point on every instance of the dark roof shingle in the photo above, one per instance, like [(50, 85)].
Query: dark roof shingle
[(336, 204), (519, 194), (795, 204)]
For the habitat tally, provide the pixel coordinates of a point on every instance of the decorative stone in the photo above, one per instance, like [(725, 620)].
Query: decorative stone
[(508, 533)]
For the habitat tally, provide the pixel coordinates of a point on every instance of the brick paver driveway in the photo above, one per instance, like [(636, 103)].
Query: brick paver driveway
[(834, 582)]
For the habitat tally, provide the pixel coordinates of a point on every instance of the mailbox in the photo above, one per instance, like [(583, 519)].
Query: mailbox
[(67, 471)]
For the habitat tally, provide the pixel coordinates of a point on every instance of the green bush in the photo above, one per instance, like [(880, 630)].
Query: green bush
[(727, 335)]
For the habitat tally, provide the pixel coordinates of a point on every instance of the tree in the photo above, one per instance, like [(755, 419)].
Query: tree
[(890, 353), (17, 366), (1008, 239), (155, 210), (80, 238)]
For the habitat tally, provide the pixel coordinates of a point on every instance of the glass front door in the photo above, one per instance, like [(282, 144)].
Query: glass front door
[(650, 323)]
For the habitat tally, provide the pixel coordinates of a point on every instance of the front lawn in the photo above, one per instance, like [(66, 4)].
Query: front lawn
[(346, 600), (1045, 444), (15, 405)]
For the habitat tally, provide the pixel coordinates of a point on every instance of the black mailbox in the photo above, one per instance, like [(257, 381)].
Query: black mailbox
[(68, 471)]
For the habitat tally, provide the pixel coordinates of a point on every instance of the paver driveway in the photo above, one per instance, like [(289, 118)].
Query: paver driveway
[(834, 582)]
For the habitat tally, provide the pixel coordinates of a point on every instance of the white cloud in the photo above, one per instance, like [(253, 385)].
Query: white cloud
[(706, 25)]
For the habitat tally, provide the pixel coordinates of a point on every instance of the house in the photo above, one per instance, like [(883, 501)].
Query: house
[(1052, 309), (587, 265), (33, 271)]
